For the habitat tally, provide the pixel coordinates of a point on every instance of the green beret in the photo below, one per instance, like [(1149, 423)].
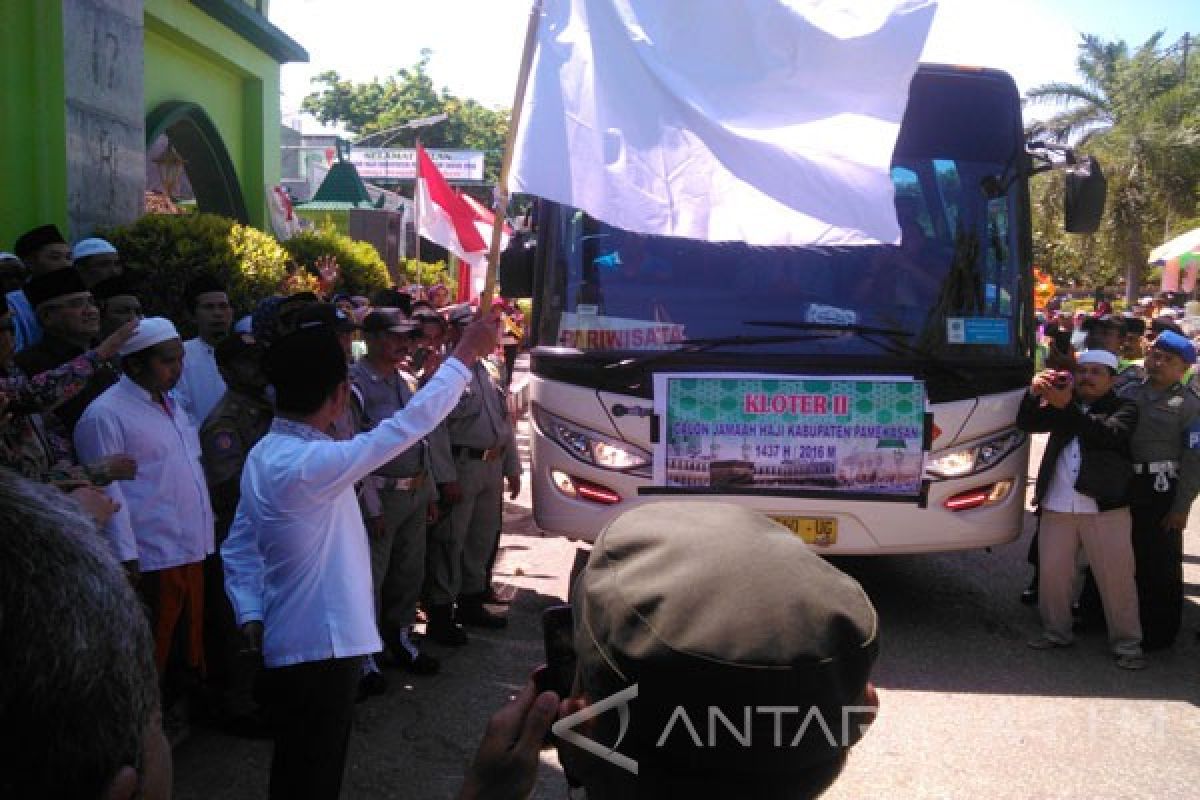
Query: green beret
[(712, 605)]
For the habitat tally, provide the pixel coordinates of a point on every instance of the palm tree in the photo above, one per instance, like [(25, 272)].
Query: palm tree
[(1136, 111)]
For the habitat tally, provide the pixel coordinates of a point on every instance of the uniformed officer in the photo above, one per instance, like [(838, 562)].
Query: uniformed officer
[(1166, 455), (485, 458), (1132, 355), (398, 496), (239, 419)]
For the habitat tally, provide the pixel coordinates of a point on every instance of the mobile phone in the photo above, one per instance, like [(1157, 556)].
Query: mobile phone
[(1062, 341), (558, 631)]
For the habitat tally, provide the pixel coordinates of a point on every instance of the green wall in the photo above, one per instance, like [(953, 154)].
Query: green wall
[(189, 57), (239, 89), (33, 138)]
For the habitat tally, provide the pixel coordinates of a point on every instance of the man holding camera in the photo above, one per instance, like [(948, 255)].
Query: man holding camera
[(1081, 495)]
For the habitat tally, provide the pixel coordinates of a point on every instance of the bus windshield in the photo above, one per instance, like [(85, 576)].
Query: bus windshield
[(951, 288)]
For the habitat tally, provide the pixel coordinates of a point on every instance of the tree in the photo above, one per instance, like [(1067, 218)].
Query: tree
[(377, 106), (1137, 113)]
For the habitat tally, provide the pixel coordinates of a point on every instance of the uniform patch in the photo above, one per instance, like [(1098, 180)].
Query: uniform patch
[(1193, 436)]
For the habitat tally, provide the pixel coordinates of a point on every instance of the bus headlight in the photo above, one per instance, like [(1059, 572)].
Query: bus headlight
[(589, 446), (976, 458)]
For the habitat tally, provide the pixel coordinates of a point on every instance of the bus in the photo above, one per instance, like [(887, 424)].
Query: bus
[(864, 397)]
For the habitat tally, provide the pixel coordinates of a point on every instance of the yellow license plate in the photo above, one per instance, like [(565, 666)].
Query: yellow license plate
[(821, 531)]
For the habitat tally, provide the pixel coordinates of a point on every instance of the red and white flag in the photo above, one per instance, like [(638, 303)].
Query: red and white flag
[(485, 219), (444, 217)]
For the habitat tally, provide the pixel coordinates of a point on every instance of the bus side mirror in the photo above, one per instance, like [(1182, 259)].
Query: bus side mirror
[(516, 266), (1083, 200)]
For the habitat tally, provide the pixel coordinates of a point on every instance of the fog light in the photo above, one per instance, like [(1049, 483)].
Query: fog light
[(563, 482), (999, 491), (577, 487)]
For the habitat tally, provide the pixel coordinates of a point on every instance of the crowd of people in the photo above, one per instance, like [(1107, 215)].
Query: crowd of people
[(1121, 469), (151, 434), (257, 515)]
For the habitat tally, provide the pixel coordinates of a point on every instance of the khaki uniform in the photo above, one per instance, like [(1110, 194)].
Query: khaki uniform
[(400, 491), (484, 450), (234, 426), (1166, 458)]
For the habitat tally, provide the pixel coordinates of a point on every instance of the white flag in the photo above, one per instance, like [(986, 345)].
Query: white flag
[(769, 121)]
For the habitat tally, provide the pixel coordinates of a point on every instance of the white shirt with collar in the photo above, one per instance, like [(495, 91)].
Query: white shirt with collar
[(201, 385), (165, 519), (1060, 494), (297, 556)]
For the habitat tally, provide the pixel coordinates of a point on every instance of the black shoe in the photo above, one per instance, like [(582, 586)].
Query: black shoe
[(420, 664), (490, 597), (442, 628), (1030, 596), (477, 615), (372, 684)]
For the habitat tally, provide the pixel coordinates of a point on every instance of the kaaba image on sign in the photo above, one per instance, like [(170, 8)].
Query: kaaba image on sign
[(729, 474)]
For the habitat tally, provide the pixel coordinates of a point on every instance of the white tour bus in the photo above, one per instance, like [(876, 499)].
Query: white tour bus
[(863, 396)]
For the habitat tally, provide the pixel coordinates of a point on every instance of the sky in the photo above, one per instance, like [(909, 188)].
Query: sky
[(476, 44)]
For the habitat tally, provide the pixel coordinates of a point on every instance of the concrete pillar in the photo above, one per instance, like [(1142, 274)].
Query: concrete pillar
[(106, 128)]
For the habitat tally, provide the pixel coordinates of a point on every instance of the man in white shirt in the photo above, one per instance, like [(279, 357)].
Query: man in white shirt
[(297, 562), (163, 529), (1082, 496), (201, 386)]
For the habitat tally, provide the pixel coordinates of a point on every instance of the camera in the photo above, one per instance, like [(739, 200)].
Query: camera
[(558, 631), (1061, 379)]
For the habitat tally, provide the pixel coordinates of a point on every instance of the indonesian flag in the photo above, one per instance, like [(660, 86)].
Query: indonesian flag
[(770, 122), (444, 217), (471, 281), (485, 219)]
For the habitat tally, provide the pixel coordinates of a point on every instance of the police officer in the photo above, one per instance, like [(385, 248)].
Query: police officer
[(1166, 456), (239, 419), (485, 458), (398, 496)]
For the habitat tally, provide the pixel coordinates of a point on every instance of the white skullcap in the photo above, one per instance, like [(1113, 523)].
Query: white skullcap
[(1098, 357), (7, 256), (150, 331), (91, 247)]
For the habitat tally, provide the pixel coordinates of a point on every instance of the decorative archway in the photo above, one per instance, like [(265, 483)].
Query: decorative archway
[(209, 168)]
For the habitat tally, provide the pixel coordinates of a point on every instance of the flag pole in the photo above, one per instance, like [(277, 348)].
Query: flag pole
[(417, 207), (500, 202)]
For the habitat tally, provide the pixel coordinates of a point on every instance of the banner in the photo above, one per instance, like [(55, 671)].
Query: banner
[(741, 432), (401, 164)]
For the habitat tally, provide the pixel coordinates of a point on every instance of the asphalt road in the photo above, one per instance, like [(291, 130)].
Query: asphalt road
[(967, 710)]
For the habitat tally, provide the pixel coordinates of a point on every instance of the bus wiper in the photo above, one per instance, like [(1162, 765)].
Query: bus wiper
[(832, 327), (875, 335), (700, 345), (899, 347)]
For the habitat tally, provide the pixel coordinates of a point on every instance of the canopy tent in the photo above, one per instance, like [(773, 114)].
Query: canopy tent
[(1184, 243)]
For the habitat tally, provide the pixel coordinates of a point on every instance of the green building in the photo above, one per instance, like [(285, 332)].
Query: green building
[(104, 100)]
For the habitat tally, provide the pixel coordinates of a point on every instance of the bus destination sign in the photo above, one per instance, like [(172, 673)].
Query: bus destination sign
[(743, 432)]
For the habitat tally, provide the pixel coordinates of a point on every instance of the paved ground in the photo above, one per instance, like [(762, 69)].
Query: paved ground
[(967, 710)]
